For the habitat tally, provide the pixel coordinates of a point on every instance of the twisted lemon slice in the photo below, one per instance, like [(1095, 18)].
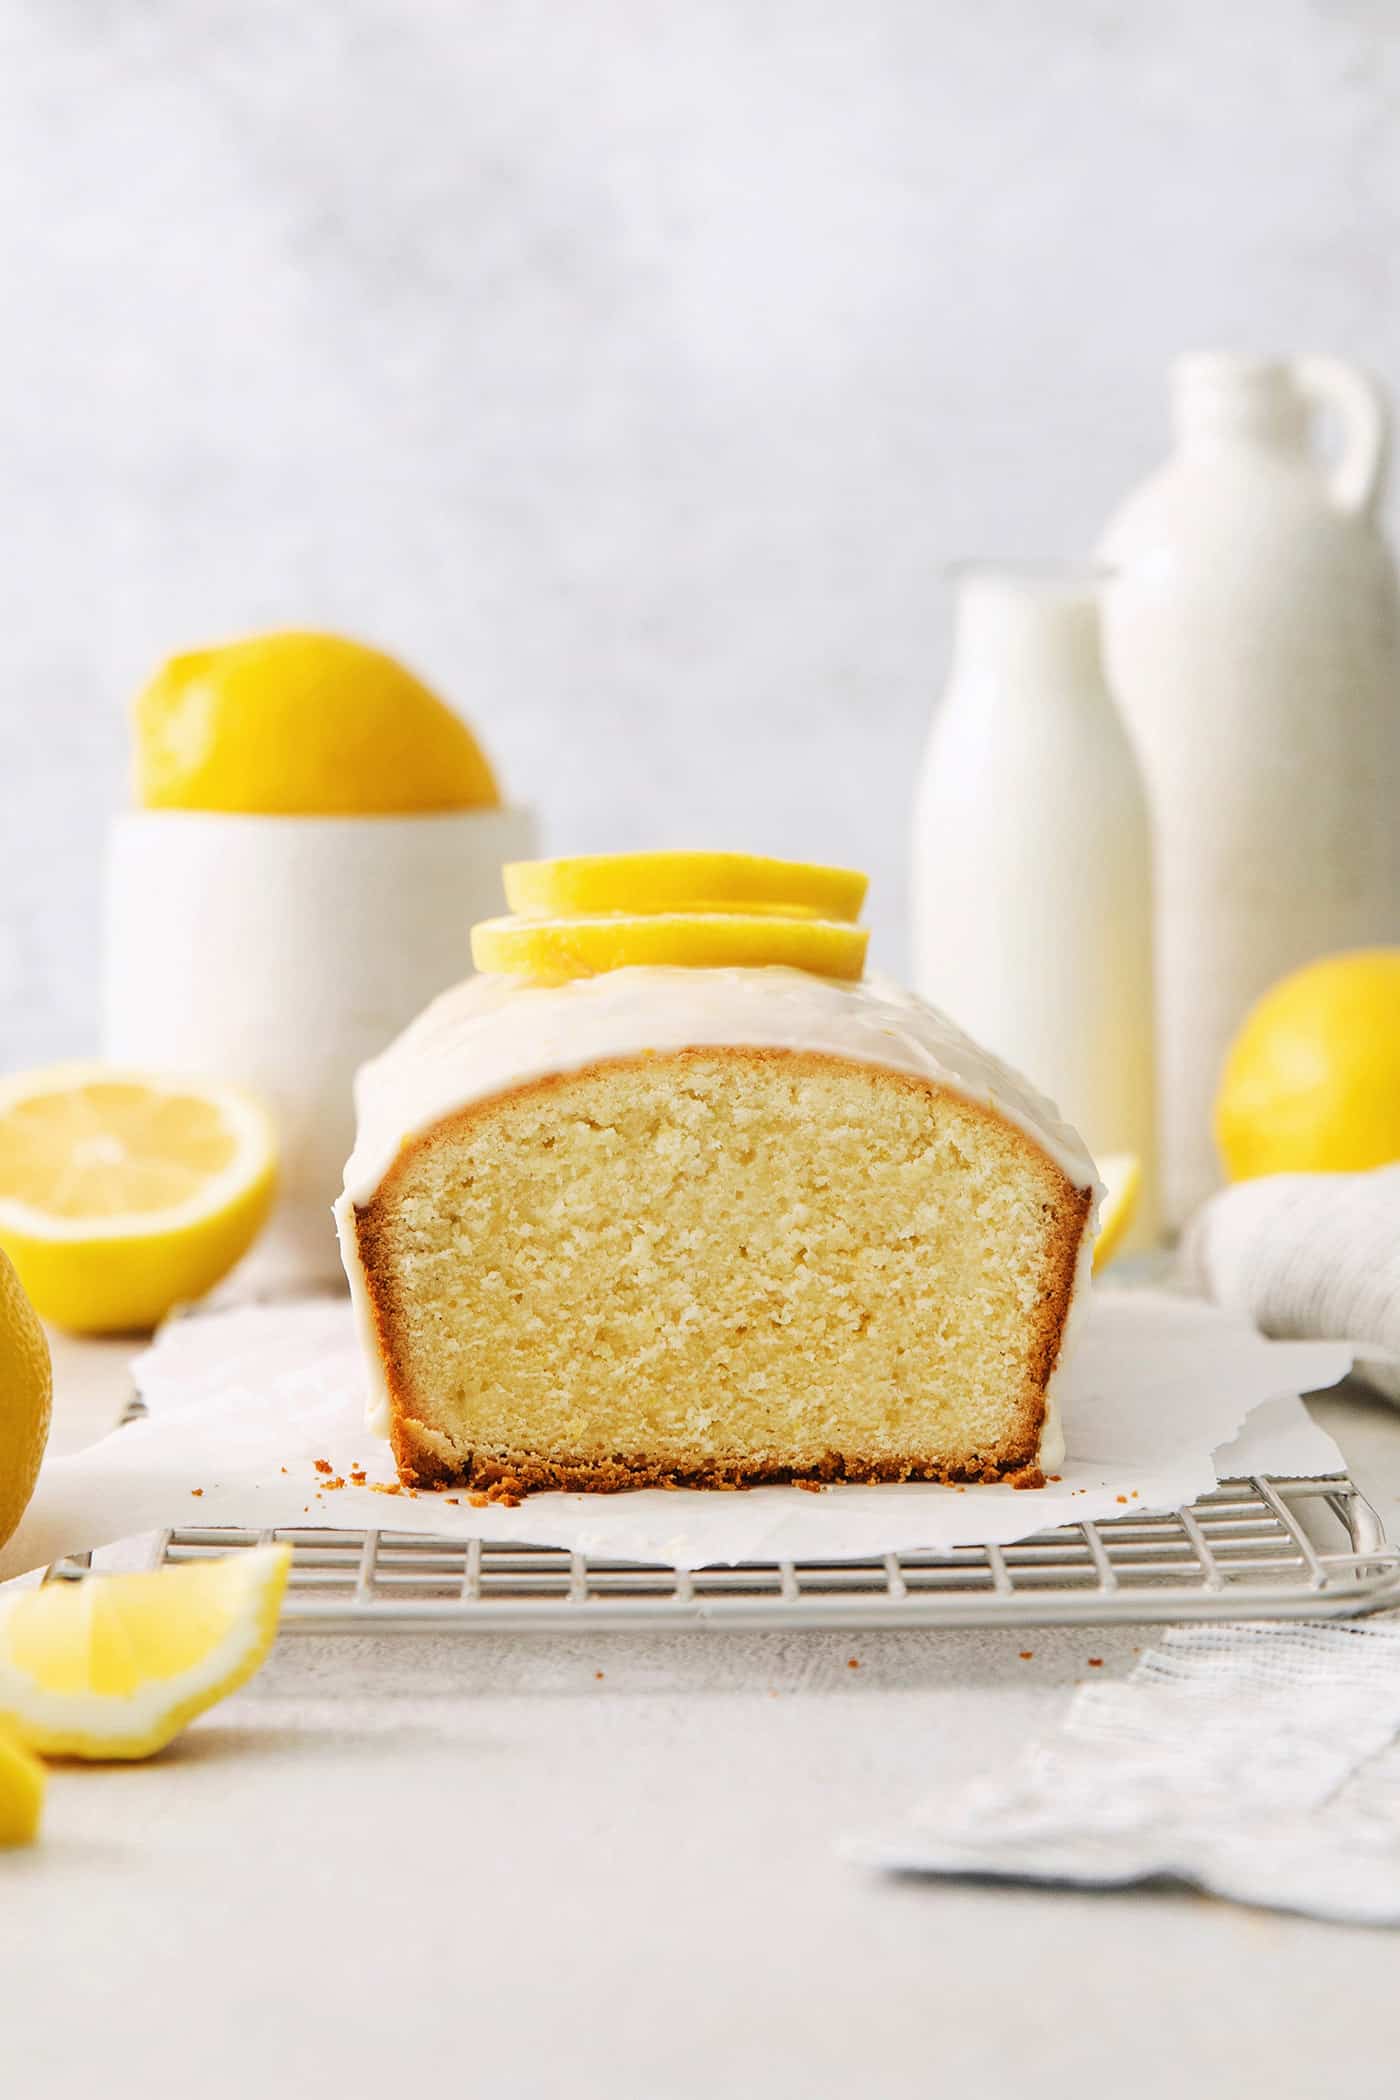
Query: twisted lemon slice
[(693, 883), (583, 947)]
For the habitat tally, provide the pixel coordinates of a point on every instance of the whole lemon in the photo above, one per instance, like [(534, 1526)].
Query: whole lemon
[(1312, 1080), (298, 724), (26, 1399)]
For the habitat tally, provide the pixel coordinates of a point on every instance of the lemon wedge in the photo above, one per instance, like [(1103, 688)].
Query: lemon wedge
[(1121, 1175), (26, 1399), (301, 724), (681, 882), (122, 1195), (22, 1780), (582, 947), (115, 1666)]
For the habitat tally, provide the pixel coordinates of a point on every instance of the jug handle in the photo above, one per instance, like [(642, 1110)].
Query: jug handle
[(1330, 383)]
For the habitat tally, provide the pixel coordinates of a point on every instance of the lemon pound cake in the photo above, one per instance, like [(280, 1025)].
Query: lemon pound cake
[(709, 1226)]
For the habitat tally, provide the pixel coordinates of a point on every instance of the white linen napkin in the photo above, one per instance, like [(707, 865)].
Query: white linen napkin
[(1308, 1255), (1259, 1763)]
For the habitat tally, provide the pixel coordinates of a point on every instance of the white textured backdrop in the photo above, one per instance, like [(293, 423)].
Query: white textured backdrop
[(633, 368)]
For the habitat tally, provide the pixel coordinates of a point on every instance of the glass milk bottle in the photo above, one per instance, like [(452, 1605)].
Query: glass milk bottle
[(1032, 888)]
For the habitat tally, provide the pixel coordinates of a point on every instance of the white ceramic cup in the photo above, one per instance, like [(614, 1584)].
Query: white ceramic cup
[(280, 953)]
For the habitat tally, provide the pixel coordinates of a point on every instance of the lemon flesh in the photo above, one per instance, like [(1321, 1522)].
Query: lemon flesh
[(26, 1399), (123, 1195), (1311, 1083), (115, 1666), (22, 1780), (1121, 1175), (300, 724), (556, 949), (681, 882)]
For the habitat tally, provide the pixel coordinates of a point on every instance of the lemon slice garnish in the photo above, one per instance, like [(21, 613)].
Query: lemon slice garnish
[(681, 882), (583, 947), (122, 1195), (115, 1666), (1121, 1175)]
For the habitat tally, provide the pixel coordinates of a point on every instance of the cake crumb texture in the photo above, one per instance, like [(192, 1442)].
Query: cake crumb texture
[(715, 1268)]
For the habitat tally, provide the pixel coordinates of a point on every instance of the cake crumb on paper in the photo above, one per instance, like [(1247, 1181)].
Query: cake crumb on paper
[(1027, 1655), (323, 1465), (196, 1491)]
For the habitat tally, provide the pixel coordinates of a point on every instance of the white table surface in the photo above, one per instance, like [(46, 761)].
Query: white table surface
[(477, 1866)]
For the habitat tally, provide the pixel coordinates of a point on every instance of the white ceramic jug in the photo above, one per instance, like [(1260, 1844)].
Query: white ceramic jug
[(1252, 641), (1031, 858)]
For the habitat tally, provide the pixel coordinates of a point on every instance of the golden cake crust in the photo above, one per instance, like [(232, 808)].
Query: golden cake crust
[(427, 1459)]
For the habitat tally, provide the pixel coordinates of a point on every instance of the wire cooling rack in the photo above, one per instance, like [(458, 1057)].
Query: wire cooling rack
[(1257, 1548)]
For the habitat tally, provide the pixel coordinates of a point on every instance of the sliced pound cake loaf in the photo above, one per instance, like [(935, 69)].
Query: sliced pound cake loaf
[(668, 1225)]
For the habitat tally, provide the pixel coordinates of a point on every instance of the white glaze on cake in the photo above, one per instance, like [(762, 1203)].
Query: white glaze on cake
[(491, 1033)]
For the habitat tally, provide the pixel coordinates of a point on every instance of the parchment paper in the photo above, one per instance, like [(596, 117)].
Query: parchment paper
[(244, 1402)]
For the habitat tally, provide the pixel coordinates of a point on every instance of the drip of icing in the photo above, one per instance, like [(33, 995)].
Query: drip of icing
[(493, 1033)]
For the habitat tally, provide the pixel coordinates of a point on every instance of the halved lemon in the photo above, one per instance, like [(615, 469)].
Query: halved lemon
[(122, 1195), (583, 947), (591, 883), (1121, 1175), (22, 1779), (115, 1666)]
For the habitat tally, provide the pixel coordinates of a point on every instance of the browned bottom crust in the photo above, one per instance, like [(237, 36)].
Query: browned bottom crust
[(524, 1473)]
